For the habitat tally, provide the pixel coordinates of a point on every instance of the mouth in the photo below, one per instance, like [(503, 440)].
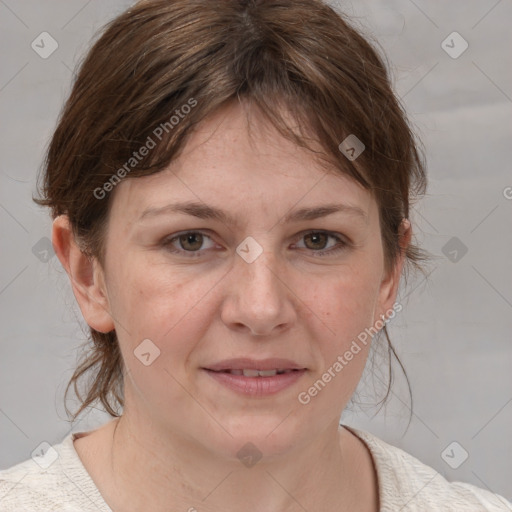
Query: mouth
[(248, 364), (256, 382), (250, 372)]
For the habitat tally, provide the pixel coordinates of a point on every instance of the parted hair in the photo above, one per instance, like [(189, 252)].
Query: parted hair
[(159, 55)]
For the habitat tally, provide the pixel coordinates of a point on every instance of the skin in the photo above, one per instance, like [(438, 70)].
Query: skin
[(175, 445)]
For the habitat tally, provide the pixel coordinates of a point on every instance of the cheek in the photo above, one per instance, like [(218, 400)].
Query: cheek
[(344, 304), (343, 313), (171, 312), (166, 307)]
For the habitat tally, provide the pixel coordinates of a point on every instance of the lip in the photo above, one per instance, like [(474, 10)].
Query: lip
[(256, 386), (245, 363)]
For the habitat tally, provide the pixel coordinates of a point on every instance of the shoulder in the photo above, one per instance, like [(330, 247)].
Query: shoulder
[(27, 486), (406, 483), (55, 481)]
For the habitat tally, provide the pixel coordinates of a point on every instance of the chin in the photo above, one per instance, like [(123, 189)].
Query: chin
[(257, 437)]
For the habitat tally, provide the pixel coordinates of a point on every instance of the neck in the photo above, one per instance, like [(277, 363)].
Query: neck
[(162, 470)]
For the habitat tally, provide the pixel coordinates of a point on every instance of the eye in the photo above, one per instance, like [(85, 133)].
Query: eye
[(190, 243), (318, 240)]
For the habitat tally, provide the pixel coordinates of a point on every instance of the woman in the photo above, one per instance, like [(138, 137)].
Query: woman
[(230, 186)]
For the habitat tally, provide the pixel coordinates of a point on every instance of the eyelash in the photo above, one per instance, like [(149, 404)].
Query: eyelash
[(341, 246)]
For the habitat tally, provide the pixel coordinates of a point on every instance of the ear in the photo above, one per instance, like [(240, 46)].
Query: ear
[(86, 276), (389, 285)]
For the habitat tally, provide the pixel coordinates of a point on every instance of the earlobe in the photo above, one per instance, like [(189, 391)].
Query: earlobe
[(86, 276), (390, 284)]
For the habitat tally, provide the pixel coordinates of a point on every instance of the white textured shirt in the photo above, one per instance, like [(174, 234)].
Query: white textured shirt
[(58, 481)]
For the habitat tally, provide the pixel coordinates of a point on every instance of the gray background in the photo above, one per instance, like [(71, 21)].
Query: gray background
[(453, 334)]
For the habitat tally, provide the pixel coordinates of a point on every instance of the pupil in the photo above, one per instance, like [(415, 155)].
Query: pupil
[(316, 237), (185, 239)]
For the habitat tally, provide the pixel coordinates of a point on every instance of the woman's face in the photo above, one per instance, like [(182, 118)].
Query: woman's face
[(257, 286)]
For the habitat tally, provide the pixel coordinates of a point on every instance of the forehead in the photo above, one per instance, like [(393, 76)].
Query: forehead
[(235, 160)]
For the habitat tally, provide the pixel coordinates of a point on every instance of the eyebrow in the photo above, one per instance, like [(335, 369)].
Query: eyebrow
[(203, 211)]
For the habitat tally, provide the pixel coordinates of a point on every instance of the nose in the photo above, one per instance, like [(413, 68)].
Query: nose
[(258, 297)]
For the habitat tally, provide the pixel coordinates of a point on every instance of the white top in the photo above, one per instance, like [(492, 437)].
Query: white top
[(405, 484)]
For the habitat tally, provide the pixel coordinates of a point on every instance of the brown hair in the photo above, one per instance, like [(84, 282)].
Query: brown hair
[(161, 55)]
